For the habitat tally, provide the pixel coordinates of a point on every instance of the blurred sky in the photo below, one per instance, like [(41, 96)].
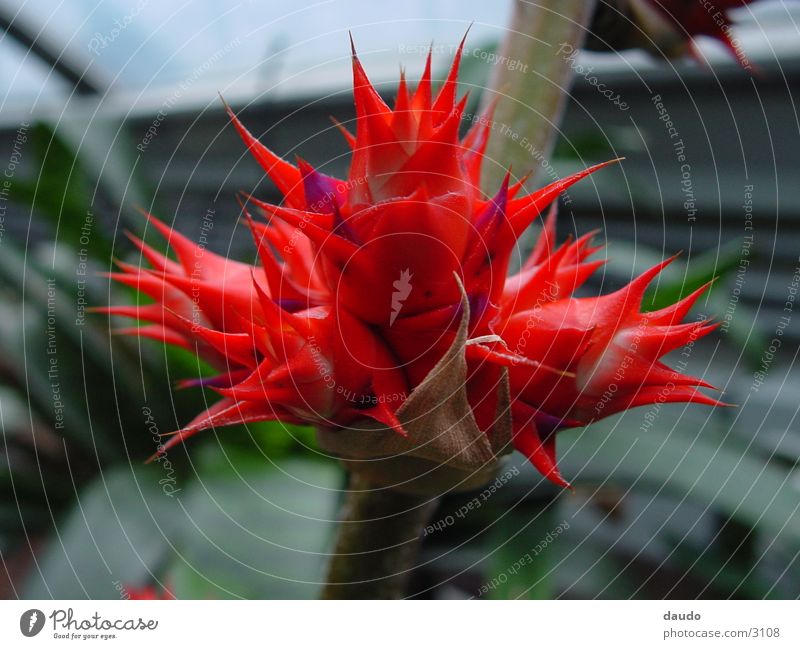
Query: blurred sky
[(253, 47)]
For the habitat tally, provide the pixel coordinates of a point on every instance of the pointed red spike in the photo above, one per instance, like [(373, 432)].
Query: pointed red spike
[(142, 280), (149, 312), (660, 375), (446, 98), (348, 136), (483, 353), (422, 96), (546, 241), (439, 151), (285, 176), (541, 453), (223, 413), (367, 99), (384, 415), (156, 332), (634, 291), (298, 369), (403, 100), (474, 158), (657, 394), (403, 123), (183, 247), (675, 313), (516, 188), (522, 211), (155, 258), (226, 379), (272, 269), (330, 243), (477, 138), (238, 347), (278, 319), (571, 279)]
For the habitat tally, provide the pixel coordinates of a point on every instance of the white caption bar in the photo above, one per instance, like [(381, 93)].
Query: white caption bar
[(400, 624)]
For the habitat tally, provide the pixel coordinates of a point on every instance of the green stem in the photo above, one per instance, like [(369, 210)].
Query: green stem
[(377, 543), (532, 93)]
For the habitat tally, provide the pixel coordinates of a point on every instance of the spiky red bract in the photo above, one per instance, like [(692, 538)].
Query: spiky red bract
[(357, 296)]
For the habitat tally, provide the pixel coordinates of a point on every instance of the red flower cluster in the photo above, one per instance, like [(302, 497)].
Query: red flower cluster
[(363, 283), (689, 18)]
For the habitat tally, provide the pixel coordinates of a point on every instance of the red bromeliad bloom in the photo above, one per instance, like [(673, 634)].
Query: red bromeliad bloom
[(363, 283), (690, 18), (148, 592)]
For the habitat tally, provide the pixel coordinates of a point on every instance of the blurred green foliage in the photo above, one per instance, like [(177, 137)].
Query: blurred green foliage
[(72, 395), (695, 506)]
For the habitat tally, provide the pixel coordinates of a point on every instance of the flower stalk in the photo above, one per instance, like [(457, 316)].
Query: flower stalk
[(377, 543)]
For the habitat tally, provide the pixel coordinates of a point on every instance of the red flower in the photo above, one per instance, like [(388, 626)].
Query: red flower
[(148, 592), (365, 284), (685, 19)]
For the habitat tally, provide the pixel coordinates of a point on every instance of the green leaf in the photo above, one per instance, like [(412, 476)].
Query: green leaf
[(252, 529), (117, 533), (680, 279), (708, 468), (522, 565)]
